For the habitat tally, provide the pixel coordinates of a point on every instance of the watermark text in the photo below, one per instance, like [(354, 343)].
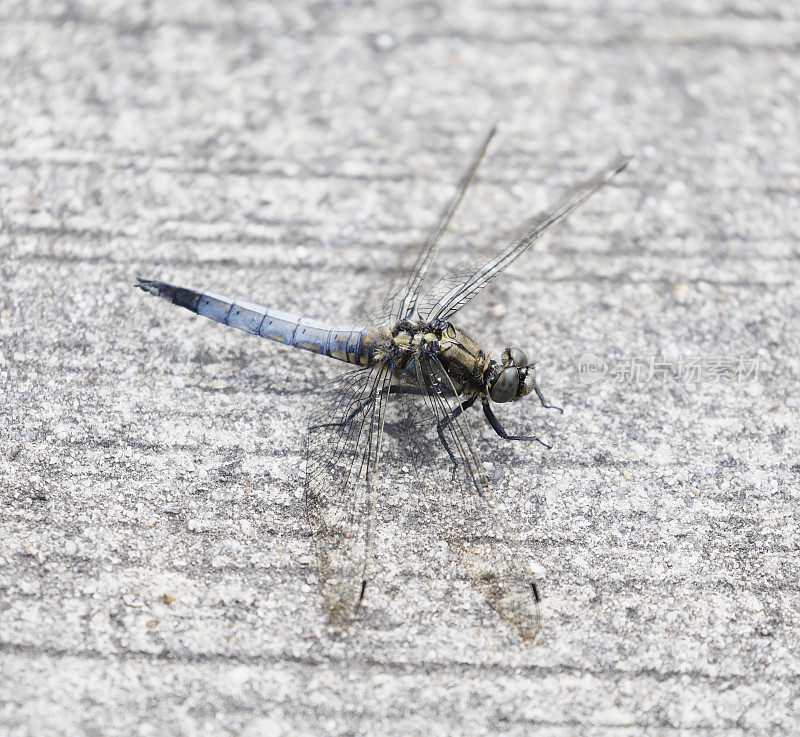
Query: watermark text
[(685, 370)]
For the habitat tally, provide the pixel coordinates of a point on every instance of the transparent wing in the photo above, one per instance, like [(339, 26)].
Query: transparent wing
[(401, 299), (458, 288), (463, 504), (344, 443)]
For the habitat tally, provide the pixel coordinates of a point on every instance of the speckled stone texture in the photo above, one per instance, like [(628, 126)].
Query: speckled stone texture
[(156, 575)]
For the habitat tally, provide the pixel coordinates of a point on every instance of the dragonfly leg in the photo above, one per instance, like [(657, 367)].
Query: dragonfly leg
[(445, 421), (542, 400), (500, 430), (362, 405)]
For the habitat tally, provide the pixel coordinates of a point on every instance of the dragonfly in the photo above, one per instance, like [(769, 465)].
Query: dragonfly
[(411, 357)]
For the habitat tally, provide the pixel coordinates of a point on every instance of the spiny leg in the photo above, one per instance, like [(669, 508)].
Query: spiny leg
[(445, 421), (363, 404), (360, 406), (542, 400), (500, 430)]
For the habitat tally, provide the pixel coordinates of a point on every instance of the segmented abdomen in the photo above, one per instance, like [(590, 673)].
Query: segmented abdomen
[(342, 342)]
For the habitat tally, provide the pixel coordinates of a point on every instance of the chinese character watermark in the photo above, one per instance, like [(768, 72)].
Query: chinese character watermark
[(685, 370)]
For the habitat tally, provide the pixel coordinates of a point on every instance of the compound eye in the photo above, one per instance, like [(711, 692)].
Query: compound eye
[(518, 357), (529, 384), (505, 386)]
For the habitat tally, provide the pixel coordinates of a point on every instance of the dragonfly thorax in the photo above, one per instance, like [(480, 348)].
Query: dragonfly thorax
[(442, 345)]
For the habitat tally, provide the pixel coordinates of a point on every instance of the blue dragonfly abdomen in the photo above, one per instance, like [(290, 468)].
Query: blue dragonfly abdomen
[(348, 343)]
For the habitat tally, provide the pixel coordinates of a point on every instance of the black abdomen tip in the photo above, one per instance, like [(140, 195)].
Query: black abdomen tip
[(180, 296)]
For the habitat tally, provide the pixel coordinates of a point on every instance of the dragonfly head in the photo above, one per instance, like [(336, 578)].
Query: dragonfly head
[(512, 378)]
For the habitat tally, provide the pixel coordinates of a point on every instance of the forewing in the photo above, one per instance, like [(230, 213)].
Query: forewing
[(344, 439), (401, 299), (458, 288), (463, 504)]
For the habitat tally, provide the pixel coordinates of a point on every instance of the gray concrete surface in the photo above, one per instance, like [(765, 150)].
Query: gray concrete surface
[(286, 153)]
